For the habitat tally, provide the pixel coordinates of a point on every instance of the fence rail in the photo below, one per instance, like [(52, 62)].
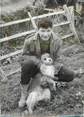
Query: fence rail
[(16, 36), (28, 32), (28, 19)]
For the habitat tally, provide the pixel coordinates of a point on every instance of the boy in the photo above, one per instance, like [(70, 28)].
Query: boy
[(44, 41)]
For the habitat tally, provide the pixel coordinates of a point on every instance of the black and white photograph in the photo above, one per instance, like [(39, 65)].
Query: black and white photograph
[(41, 58)]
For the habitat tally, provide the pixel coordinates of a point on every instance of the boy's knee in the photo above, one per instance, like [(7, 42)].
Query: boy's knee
[(28, 71), (65, 74)]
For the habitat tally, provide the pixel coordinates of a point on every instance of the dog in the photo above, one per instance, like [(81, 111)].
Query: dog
[(36, 93)]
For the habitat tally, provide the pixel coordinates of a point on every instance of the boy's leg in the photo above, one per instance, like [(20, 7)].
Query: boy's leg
[(23, 97), (65, 74), (28, 71)]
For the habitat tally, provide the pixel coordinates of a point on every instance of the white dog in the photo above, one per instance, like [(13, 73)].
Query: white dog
[(37, 95)]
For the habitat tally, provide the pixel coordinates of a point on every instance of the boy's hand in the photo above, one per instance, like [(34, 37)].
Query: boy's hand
[(26, 58), (35, 60), (44, 83)]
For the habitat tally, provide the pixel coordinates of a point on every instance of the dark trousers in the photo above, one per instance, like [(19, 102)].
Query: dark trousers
[(30, 69), (65, 74)]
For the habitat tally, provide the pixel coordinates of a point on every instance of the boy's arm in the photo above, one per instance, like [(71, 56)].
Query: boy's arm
[(57, 45), (26, 47), (26, 55), (58, 48)]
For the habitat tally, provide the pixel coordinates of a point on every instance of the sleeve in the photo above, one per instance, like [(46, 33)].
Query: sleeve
[(26, 54), (58, 47), (26, 47)]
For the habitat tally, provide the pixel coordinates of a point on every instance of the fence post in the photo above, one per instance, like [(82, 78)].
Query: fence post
[(33, 22), (70, 17)]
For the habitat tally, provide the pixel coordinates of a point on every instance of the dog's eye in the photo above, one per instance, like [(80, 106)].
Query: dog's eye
[(50, 60), (45, 59)]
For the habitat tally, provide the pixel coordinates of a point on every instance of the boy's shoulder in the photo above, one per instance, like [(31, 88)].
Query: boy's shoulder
[(56, 36), (30, 38), (57, 39)]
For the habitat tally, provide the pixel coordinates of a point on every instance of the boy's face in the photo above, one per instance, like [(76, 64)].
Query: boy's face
[(45, 34)]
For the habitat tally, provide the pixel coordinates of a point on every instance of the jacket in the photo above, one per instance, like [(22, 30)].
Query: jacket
[(32, 45)]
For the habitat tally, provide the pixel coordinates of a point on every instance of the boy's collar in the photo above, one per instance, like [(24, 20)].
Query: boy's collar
[(36, 37)]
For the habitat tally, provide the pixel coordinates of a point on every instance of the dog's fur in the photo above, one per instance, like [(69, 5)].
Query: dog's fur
[(37, 95)]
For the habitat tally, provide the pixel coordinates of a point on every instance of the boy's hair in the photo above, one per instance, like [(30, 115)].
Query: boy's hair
[(45, 23)]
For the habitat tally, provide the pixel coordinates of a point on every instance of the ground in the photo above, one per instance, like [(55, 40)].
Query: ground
[(66, 100)]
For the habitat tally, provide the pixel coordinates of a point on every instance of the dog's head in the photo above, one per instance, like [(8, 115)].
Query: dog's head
[(46, 59)]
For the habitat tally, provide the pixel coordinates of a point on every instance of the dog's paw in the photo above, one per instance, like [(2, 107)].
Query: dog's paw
[(24, 113), (61, 84)]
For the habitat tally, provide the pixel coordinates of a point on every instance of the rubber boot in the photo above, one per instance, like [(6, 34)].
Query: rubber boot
[(22, 101)]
